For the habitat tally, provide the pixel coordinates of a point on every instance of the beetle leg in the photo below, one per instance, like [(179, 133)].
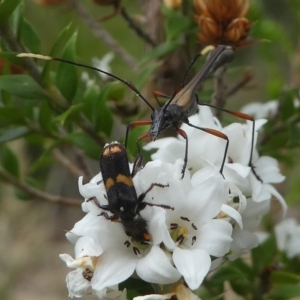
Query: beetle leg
[(238, 115), (112, 218), (217, 134), (142, 196), (135, 124), (184, 135), (143, 136)]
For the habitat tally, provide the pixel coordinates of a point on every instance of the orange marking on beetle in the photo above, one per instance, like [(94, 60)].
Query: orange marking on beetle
[(116, 148), (112, 149), (146, 236), (109, 183), (124, 179)]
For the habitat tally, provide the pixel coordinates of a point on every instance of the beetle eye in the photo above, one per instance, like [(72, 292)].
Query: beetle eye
[(167, 116)]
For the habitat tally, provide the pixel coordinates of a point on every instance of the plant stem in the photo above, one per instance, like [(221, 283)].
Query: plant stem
[(37, 194)]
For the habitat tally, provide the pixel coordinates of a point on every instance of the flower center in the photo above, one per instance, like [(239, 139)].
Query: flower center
[(87, 274), (183, 234), (137, 247)]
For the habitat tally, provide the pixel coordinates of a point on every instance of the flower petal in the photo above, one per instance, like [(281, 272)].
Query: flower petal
[(214, 237), (113, 267), (268, 170), (77, 284), (155, 267), (86, 246), (231, 212), (243, 241), (193, 265), (206, 199), (281, 200), (284, 231)]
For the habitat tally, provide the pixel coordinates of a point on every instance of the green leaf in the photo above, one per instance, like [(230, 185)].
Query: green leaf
[(105, 120), (161, 50), (13, 134), (235, 274), (114, 90), (66, 77), (63, 37), (11, 115), (89, 98), (7, 7), (136, 287), (274, 33), (29, 37), (46, 157), (144, 77), (134, 134), (72, 112), (21, 85), (285, 292), (96, 105), (280, 277), (16, 19), (274, 85), (287, 108), (293, 196), (263, 255), (87, 144), (45, 115), (176, 24), (9, 161)]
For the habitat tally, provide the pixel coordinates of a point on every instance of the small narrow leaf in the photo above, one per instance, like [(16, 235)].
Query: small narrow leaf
[(67, 74), (11, 116), (176, 24), (29, 37), (281, 277), (45, 115), (73, 111), (285, 292), (87, 144), (161, 50), (9, 161), (62, 38), (13, 134), (21, 85), (7, 7)]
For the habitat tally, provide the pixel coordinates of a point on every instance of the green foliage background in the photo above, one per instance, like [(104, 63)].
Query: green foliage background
[(55, 110)]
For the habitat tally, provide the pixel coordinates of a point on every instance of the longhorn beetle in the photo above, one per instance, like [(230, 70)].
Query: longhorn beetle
[(123, 202), (181, 105)]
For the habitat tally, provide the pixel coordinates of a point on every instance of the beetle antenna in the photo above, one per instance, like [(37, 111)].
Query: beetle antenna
[(130, 85)]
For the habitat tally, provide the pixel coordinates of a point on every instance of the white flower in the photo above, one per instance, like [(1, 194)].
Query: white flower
[(102, 64), (86, 254), (203, 148), (250, 185), (185, 232), (254, 182), (264, 110), (120, 257), (190, 231), (288, 237), (261, 110)]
